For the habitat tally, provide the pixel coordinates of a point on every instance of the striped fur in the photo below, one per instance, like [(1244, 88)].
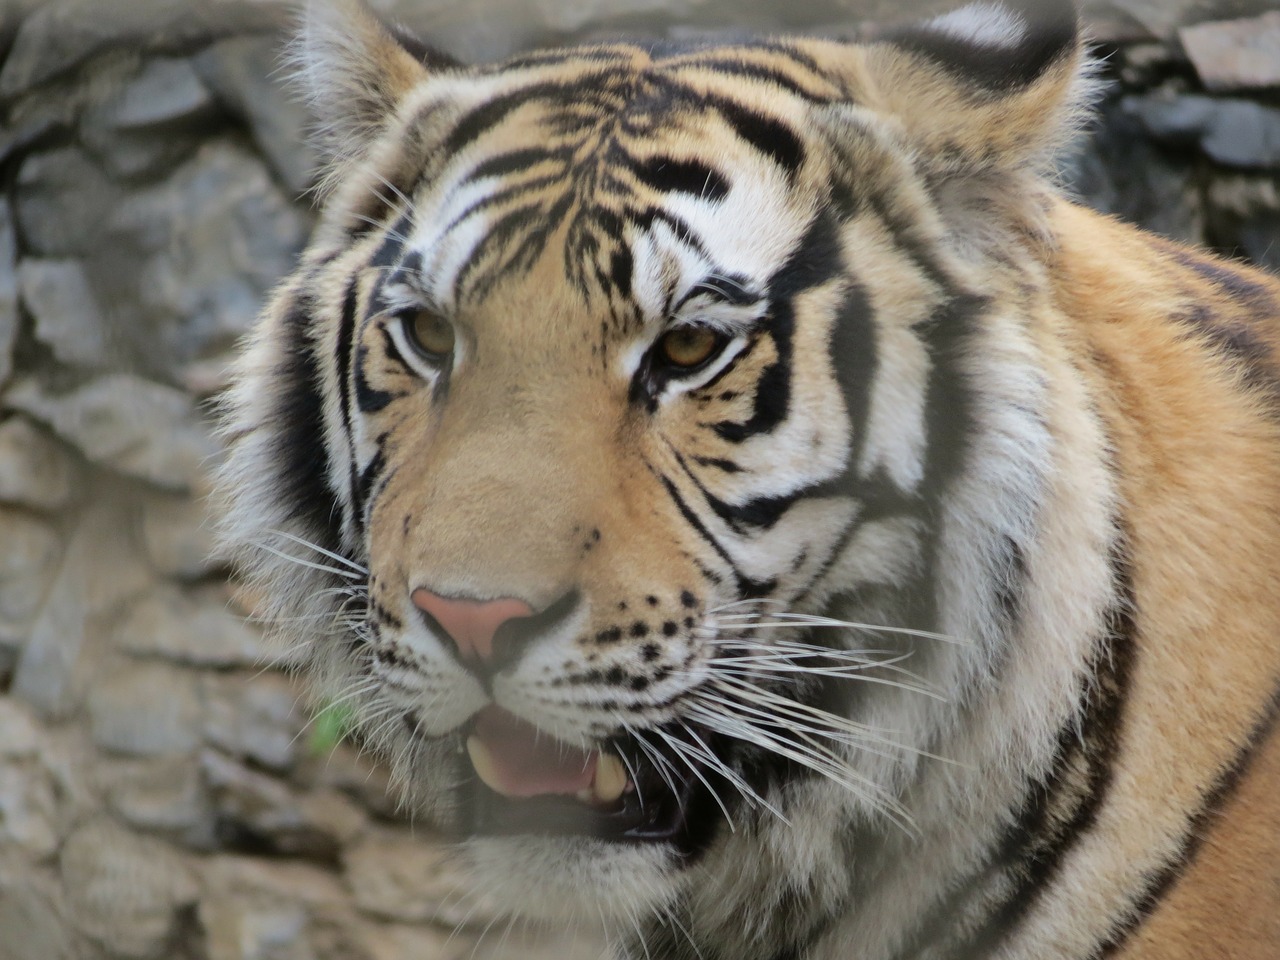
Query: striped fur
[(1036, 452)]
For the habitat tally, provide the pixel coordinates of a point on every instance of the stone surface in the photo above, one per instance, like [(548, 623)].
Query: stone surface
[(28, 565), (35, 922), (177, 536), (397, 876), (256, 719), (1235, 133), (239, 928), (246, 75), (1232, 54), (129, 424), (123, 890), (159, 794), (58, 35), (63, 199), (36, 471), (1119, 171), (58, 296), (187, 626), (144, 709), (8, 292), (204, 246), (27, 805)]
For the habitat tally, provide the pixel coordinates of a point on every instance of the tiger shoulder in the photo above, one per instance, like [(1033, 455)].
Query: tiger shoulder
[(746, 502)]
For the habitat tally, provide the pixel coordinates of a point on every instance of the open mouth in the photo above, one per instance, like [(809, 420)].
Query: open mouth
[(524, 782)]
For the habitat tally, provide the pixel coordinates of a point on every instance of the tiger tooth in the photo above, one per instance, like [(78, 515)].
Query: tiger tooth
[(483, 762), (610, 780)]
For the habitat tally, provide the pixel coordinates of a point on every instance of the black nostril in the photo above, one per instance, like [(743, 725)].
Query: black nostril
[(510, 639)]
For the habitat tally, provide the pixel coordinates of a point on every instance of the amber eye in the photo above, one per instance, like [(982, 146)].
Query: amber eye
[(430, 335), (688, 347)]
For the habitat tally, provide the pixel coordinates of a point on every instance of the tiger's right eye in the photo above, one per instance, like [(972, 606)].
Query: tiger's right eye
[(430, 335)]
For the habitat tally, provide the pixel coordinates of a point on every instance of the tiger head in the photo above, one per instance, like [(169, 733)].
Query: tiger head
[(617, 385)]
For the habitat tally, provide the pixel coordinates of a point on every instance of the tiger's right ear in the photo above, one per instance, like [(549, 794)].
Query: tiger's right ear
[(354, 73)]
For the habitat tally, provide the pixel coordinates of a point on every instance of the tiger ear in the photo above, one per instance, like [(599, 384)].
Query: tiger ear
[(354, 73), (997, 83)]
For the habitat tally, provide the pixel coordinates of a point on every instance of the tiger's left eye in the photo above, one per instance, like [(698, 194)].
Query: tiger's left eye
[(430, 335), (689, 347)]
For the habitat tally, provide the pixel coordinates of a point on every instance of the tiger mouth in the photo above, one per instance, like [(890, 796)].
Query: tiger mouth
[(523, 783)]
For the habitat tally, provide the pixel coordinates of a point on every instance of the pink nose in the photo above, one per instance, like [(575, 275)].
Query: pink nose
[(471, 624)]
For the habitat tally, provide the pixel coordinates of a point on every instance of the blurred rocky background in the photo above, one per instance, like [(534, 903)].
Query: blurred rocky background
[(163, 795)]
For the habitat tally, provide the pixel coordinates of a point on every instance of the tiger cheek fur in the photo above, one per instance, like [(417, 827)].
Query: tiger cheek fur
[(744, 501)]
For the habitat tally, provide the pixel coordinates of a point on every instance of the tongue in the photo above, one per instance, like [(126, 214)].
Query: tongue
[(516, 759)]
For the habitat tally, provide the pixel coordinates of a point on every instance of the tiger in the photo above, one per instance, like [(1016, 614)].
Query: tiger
[(751, 506)]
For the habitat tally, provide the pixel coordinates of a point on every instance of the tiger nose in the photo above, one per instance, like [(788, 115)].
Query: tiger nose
[(470, 624)]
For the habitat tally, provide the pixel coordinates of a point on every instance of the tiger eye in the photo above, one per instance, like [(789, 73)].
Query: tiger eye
[(430, 335), (688, 346)]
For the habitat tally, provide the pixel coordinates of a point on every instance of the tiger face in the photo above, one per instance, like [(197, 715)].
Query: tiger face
[(609, 374), (676, 458)]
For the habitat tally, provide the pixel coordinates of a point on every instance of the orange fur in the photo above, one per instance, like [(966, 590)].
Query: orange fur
[(1198, 453)]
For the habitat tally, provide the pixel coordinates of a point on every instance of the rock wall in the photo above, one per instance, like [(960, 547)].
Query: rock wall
[(162, 794)]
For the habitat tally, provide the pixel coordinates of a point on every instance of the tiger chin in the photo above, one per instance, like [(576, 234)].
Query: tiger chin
[(746, 501)]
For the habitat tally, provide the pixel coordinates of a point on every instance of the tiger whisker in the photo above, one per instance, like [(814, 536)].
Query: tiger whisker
[(302, 541), (804, 620), (310, 564)]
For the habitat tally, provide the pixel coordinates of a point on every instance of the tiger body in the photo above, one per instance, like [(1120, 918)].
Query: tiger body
[(1034, 451)]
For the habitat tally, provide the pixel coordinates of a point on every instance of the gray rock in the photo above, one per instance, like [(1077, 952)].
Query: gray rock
[(245, 74), (159, 794), (190, 627), (253, 718), (124, 891), (57, 294), (1235, 133), (56, 664), (144, 709), (177, 536), (132, 425), (35, 917), (239, 928), (62, 201), (28, 565), (312, 826), (1235, 54), (8, 292), (49, 674), (1118, 170), (151, 122), (60, 34), (399, 876), (1245, 213), (26, 809), (36, 471), (195, 255), (19, 735)]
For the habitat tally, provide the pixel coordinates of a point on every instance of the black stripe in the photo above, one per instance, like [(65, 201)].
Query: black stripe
[(760, 512), (364, 484), (667, 175), (1059, 808), (302, 453), (1199, 828), (515, 161), (815, 260), (1050, 35), (369, 399), (746, 586), (771, 75), (775, 139), (343, 350)]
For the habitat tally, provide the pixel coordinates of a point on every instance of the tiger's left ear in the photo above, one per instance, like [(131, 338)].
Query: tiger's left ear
[(354, 73), (997, 83)]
